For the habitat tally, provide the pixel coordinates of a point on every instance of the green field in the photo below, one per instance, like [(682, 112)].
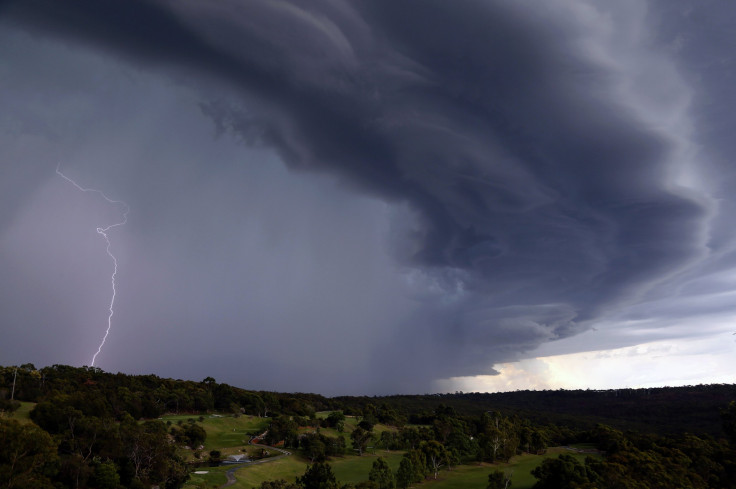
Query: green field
[(350, 468), (476, 475), (225, 433), (215, 477), (351, 422), (353, 469), (23, 413), (287, 468), (230, 435)]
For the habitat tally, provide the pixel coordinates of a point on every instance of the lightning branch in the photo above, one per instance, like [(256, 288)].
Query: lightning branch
[(102, 231)]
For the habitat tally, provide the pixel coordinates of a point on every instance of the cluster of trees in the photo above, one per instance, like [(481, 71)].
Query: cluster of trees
[(95, 429), (27, 456), (447, 439), (630, 459), (320, 476), (149, 396), (664, 410), (489, 437), (189, 434), (8, 405), (98, 446), (88, 452), (635, 460), (661, 410)]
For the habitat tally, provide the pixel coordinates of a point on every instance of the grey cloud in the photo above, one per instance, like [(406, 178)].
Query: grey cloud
[(530, 192)]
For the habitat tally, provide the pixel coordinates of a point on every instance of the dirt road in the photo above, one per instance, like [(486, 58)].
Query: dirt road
[(230, 473)]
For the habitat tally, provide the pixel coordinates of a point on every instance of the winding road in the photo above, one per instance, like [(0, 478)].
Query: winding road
[(230, 473)]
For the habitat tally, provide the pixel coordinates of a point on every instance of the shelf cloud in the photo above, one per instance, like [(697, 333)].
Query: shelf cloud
[(364, 196)]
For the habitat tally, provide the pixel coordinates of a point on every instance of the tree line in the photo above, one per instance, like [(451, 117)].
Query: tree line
[(94, 429), (626, 460)]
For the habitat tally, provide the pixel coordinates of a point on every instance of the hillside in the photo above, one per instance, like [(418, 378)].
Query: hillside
[(692, 409), (86, 428)]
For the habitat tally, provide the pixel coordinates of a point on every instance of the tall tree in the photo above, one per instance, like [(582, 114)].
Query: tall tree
[(318, 476), (360, 438), (106, 475), (381, 474), (405, 473), (314, 447), (498, 480), (419, 463), (27, 455), (563, 471), (729, 422), (334, 418), (435, 454)]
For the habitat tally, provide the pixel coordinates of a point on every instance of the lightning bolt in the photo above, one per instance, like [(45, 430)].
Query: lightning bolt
[(103, 232)]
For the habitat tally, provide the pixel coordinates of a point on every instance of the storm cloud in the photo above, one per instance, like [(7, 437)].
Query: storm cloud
[(353, 197)]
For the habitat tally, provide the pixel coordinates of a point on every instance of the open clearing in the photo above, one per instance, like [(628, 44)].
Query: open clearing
[(23, 413), (230, 435), (521, 466), (354, 469), (226, 433)]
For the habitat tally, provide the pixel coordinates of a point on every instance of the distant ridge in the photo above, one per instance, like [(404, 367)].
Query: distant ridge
[(693, 409)]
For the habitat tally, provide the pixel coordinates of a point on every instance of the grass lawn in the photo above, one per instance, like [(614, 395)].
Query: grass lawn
[(332, 433), (465, 476), (230, 435), (226, 433), (215, 477), (351, 422), (380, 428), (354, 469), (23, 413), (585, 446), (287, 468), (347, 469)]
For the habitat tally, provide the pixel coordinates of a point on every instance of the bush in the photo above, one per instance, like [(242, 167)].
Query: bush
[(106, 475), (215, 457), (9, 405)]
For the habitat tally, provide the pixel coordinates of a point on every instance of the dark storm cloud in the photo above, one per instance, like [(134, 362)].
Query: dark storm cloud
[(535, 190)]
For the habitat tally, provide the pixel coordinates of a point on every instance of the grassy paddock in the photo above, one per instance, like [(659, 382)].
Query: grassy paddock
[(322, 414), (215, 477), (226, 433), (351, 469), (476, 475), (230, 435), (23, 413), (354, 469), (287, 468)]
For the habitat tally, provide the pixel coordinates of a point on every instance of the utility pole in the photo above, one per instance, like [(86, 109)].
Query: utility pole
[(15, 374)]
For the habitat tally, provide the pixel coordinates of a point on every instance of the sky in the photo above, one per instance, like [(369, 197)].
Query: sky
[(371, 196)]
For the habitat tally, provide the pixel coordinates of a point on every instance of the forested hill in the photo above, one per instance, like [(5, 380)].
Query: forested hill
[(694, 409), (148, 396)]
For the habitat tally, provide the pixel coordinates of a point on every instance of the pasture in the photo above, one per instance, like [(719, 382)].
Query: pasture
[(23, 413), (230, 435)]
